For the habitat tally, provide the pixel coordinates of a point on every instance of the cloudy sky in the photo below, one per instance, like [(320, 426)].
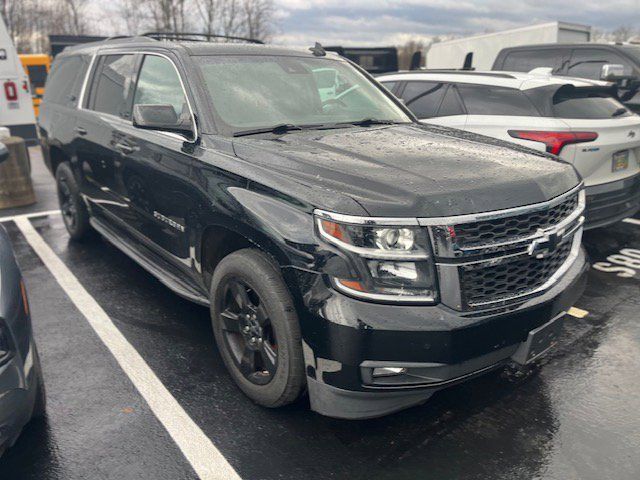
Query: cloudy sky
[(377, 22)]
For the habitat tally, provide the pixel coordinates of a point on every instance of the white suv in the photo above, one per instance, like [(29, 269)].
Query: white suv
[(577, 119)]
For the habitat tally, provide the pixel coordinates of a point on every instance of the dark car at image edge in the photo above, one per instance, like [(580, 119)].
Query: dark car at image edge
[(344, 249), (22, 394)]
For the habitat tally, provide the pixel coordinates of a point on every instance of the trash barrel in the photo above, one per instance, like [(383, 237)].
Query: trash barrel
[(16, 188)]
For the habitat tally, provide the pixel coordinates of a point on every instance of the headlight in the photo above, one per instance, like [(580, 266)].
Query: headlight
[(394, 261)]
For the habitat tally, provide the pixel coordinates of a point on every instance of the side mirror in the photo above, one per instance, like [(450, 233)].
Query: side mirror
[(612, 72), (4, 152), (161, 117)]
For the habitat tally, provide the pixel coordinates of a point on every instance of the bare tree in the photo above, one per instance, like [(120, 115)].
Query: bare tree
[(130, 12), (406, 52), (258, 16), (77, 20), (209, 11), (168, 15)]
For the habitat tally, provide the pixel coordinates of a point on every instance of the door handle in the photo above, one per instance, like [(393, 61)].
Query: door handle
[(81, 131), (124, 148)]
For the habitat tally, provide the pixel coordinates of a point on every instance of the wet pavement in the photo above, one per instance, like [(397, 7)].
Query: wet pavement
[(575, 416)]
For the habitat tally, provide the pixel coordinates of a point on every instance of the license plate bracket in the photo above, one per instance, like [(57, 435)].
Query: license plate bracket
[(539, 341), (620, 161)]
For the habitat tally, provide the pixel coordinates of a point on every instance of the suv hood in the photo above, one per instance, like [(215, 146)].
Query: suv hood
[(411, 170)]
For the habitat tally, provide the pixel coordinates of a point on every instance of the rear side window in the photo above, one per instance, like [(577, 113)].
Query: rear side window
[(583, 104), (588, 62), (490, 100), (65, 80), (526, 60), (423, 98), (110, 91)]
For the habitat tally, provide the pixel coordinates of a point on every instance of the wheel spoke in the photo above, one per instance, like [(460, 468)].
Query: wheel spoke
[(269, 358), (248, 362), (240, 296), (230, 321), (261, 315)]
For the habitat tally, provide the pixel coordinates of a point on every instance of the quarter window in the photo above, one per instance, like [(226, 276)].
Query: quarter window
[(490, 100), (423, 98), (65, 80), (159, 84), (112, 86)]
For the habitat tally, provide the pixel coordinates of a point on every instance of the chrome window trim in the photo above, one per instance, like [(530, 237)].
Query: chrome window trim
[(87, 75), (450, 220), (80, 105)]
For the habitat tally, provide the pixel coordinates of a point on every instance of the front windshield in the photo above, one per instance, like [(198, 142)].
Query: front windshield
[(253, 91)]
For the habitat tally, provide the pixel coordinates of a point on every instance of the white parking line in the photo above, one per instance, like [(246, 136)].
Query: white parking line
[(30, 215), (633, 221), (202, 454)]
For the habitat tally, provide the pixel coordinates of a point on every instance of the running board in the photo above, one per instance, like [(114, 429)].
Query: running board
[(149, 261)]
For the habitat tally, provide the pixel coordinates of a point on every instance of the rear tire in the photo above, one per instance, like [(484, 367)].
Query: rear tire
[(256, 328), (74, 211)]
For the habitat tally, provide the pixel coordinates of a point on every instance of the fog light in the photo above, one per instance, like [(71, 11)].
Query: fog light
[(388, 371)]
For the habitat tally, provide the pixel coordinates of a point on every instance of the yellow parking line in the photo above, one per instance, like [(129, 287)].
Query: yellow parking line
[(634, 221), (577, 312)]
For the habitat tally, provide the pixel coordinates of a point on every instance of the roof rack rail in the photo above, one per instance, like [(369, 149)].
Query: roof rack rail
[(197, 37)]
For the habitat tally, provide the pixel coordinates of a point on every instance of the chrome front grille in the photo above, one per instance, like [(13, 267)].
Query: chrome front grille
[(500, 258), (498, 230), (481, 284)]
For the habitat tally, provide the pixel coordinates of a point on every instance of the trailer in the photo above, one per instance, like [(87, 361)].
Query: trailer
[(480, 51)]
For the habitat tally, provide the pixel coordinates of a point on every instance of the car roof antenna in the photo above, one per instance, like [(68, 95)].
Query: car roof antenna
[(318, 50)]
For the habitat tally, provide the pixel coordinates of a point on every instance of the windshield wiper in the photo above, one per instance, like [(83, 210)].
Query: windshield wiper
[(277, 129), (368, 121), (618, 112)]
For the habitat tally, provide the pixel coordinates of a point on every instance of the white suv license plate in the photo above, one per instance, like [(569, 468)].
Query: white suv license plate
[(620, 161)]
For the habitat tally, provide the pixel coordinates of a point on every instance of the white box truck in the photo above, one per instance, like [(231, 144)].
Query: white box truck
[(16, 105), (480, 51)]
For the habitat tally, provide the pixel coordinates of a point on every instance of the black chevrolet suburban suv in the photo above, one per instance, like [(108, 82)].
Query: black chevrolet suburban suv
[(344, 249)]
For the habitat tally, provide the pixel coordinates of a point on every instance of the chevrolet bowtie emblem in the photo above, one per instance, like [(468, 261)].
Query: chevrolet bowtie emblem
[(545, 244)]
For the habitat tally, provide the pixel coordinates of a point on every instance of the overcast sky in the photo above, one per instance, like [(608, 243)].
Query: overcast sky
[(378, 22)]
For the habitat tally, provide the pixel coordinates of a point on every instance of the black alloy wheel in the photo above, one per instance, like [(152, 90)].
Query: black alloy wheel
[(74, 212), (256, 328), (67, 205), (248, 332)]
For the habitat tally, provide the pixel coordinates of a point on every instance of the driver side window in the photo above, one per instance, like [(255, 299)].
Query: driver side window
[(159, 84)]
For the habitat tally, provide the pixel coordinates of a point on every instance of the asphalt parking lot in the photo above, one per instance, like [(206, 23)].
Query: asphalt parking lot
[(118, 336)]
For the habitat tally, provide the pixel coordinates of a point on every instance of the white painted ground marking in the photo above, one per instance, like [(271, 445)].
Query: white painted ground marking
[(577, 312), (202, 454), (30, 215), (634, 221)]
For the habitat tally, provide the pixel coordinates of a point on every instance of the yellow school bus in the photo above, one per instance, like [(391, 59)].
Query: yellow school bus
[(36, 66)]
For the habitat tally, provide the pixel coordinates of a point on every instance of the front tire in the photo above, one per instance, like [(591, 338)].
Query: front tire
[(74, 211), (256, 328)]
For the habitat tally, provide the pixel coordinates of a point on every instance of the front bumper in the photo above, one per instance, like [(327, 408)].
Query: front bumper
[(345, 338), (611, 202)]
